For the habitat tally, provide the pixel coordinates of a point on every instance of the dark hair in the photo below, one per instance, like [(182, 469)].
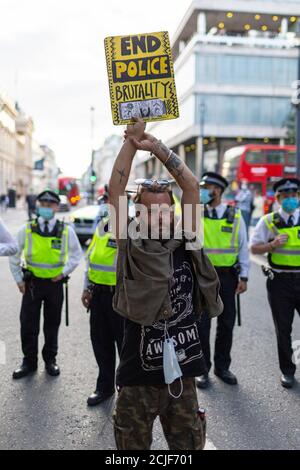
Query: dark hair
[(138, 197)]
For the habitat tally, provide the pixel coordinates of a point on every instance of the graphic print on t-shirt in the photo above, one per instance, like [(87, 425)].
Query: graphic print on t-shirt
[(182, 327)]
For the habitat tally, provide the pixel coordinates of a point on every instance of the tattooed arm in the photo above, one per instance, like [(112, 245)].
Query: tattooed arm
[(121, 169), (184, 177)]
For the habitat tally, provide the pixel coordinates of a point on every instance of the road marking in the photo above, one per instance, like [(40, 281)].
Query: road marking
[(209, 445)]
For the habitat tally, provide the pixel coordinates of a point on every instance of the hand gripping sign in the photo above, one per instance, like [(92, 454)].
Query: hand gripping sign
[(141, 77)]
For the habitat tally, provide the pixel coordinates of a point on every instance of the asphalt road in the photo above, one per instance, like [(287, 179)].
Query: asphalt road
[(40, 412)]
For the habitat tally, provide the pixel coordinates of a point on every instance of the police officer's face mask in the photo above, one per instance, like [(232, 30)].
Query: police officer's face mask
[(290, 204), (206, 196), (46, 212)]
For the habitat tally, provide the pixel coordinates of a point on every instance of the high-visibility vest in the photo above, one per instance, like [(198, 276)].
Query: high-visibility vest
[(221, 237), (288, 255), (178, 210), (102, 257), (46, 256)]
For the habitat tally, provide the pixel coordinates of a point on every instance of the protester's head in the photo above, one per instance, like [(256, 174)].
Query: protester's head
[(155, 208), (48, 204), (212, 186), (287, 192)]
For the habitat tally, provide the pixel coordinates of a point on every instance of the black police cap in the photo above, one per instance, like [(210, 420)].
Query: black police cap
[(211, 177), (286, 184), (48, 196)]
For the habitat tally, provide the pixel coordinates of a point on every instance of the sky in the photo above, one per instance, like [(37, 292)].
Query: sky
[(52, 62)]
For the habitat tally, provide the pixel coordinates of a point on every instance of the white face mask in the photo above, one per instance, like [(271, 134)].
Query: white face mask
[(172, 370)]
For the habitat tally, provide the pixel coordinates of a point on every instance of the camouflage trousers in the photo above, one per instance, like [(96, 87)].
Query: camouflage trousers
[(138, 406)]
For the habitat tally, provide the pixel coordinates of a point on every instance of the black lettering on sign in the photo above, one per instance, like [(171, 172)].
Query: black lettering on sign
[(142, 91), (147, 68), (132, 45)]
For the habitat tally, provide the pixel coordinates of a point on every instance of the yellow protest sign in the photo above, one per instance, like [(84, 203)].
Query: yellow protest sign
[(141, 77)]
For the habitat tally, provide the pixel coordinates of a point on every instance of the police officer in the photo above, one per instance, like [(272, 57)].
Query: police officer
[(106, 325), (225, 243), (51, 252), (278, 235)]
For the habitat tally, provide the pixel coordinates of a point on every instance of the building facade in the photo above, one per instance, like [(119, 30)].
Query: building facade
[(8, 144), (235, 63), (45, 170)]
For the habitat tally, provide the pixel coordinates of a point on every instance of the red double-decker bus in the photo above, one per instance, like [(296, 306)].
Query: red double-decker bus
[(260, 166), (68, 187)]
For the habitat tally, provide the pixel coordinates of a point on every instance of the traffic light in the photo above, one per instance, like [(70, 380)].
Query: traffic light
[(93, 177)]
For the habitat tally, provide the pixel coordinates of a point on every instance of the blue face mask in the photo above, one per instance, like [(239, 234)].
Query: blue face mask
[(205, 196), (46, 212), (103, 210), (290, 204)]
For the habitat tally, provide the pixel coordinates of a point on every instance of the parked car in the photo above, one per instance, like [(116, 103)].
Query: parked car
[(64, 205), (84, 221)]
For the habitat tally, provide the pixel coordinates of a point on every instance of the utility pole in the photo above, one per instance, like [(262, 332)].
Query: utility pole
[(93, 174), (202, 123)]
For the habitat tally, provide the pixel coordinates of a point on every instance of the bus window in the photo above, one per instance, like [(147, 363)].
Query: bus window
[(255, 157), (275, 157), (291, 158)]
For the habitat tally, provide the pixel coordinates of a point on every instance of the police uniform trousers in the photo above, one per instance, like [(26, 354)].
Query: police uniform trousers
[(225, 322), (107, 332), (284, 300), (41, 292)]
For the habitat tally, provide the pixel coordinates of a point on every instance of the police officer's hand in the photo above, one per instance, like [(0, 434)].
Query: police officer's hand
[(57, 278), (86, 298), (242, 287), (22, 287), (279, 240)]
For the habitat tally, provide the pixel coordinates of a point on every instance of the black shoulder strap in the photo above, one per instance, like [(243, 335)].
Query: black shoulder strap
[(59, 228), (34, 225), (230, 214), (278, 221)]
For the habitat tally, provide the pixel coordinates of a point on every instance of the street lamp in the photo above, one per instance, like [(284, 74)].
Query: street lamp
[(202, 123)]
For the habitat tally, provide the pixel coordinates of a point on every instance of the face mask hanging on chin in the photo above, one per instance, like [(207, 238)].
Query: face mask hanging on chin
[(172, 370)]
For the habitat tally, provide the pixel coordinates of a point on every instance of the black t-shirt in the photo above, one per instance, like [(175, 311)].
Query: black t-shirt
[(141, 361)]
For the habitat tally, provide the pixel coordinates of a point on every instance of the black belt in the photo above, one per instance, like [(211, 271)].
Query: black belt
[(103, 288), (225, 269), (290, 275)]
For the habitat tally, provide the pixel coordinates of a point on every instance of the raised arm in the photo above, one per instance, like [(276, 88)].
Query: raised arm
[(184, 177), (121, 169)]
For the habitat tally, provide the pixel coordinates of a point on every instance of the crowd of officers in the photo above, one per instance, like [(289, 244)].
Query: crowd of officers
[(47, 252)]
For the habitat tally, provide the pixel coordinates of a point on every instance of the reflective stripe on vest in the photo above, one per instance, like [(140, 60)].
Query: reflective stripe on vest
[(39, 249), (287, 255), (102, 258), (222, 247)]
